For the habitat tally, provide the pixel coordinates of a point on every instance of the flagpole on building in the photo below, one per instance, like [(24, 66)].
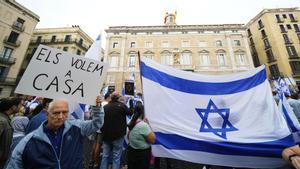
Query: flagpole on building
[(139, 59)]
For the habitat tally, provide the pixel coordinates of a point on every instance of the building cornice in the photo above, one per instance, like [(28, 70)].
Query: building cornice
[(76, 29), (274, 10), (23, 9), (174, 28)]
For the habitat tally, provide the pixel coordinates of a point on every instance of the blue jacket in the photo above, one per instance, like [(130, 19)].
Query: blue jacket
[(35, 151), (36, 121)]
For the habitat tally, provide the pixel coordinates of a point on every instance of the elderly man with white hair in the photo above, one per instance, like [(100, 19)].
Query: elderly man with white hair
[(57, 143)]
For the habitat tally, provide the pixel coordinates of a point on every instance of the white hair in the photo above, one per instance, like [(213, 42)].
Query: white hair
[(51, 104)]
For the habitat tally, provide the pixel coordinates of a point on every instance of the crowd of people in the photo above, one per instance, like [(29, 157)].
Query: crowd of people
[(38, 132)]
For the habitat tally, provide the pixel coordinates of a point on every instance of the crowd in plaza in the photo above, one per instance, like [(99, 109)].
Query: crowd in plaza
[(38, 132)]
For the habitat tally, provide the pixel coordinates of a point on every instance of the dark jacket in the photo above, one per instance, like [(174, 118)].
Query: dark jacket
[(6, 135), (114, 126), (35, 150)]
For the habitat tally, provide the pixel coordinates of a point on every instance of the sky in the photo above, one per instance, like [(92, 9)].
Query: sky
[(94, 16)]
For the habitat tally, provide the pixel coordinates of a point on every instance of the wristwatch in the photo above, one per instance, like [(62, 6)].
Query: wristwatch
[(292, 155)]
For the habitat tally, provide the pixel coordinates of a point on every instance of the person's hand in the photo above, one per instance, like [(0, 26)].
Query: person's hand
[(146, 120), (98, 101), (296, 161)]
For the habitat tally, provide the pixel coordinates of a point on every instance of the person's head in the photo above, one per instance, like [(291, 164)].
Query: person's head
[(121, 99), (44, 105), (57, 113), (10, 105), (29, 97), (138, 114), (19, 124), (139, 109), (115, 96), (46, 102), (40, 99)]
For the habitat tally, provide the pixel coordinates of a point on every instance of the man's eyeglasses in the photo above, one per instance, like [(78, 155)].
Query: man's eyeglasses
[(56, 114)]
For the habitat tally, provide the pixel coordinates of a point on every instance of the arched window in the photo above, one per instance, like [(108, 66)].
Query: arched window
[(204, 58), (149, 54), (113, 59), (240, 57), (186, 58), (132, 59), (221, 57), (166, 58), (219, 43)]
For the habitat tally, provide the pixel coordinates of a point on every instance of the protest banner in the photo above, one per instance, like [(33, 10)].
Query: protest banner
[(129, 87), (53, 73)]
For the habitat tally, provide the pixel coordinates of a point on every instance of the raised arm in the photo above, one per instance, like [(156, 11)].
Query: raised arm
[(91, 126)]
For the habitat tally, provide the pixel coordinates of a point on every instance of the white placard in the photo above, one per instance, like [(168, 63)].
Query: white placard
[(53, 73)]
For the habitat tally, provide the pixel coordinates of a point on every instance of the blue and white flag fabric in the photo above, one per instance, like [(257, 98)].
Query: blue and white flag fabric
[(94, 51), (290, 117), (104, 90), (227, 120), (282, 86), (76, 110), (132, 77)]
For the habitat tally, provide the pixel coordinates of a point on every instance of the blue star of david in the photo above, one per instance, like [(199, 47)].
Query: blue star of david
[(219, 130)]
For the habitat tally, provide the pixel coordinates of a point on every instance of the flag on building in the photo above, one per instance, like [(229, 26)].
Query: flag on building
[(227, 120), (94, 51)]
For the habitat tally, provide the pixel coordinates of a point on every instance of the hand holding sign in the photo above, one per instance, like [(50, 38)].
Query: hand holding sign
[(98, 101)]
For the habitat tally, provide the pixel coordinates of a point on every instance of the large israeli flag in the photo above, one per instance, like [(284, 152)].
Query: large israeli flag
[(227, 120)]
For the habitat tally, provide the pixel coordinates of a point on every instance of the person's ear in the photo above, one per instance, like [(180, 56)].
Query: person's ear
[(14, 107)]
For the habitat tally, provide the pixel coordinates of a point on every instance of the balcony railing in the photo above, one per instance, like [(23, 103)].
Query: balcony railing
[(283, 31), (271, 59), (212, 67), (296, 73), (249, 33), (264, 36), (18, 26), (260, 26), (184, 67), (288, 41), (295, 56), (60, 41), (17, 43), (243, 66), (268, 47), (279, 19), (294, 19), (8, 61), (8, 80)]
